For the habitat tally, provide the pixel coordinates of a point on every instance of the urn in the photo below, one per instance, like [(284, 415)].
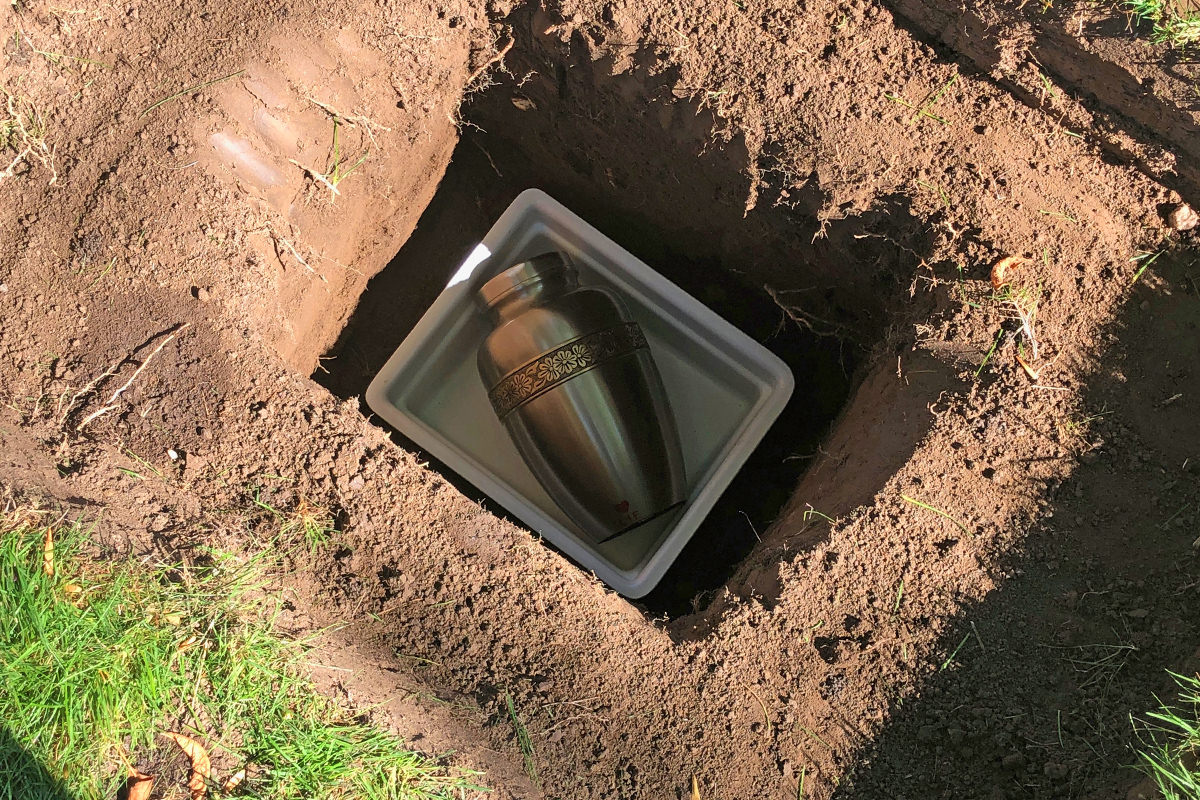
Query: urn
[(572, 378)]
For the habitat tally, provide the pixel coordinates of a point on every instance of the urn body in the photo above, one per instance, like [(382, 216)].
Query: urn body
[(572, 379)]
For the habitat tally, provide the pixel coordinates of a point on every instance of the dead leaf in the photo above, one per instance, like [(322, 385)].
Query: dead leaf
[(201, 765), (1000, 270), (138, 785), (523, 103), (48, 552), (233, 781), (1033, 373), (695, 788)]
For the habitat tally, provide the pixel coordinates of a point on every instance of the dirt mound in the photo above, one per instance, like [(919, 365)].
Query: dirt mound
[(943, 574)]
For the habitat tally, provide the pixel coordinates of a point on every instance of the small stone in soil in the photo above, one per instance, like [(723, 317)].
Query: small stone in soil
[(1183, 218), (1055, 771)]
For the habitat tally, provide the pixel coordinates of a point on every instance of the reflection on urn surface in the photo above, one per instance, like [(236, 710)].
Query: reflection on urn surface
[(573, 380)]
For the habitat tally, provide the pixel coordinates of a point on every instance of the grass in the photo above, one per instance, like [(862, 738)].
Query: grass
[(988, 356), (937, 511), (56, 59), (923, 108), (1170, 751), (1169, 25), (23, 137), (189, 90), (1045, 212), (1018, 297), (1021, 300), (102, 656), (950, 659), (1146, 260), (945, 198), (811, 512), (314, 522), (523, 741), (337, 171)]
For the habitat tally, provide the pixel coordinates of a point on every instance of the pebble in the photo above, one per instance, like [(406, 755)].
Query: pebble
[(1147, 789), (1183, 218), (1013, 761), (1055, 771)]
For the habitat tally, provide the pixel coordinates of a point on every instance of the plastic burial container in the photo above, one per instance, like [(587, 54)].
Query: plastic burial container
[(725, 389)]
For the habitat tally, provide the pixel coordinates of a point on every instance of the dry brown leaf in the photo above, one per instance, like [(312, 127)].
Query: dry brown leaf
[(233, 781), (1033, 373), (138, 785), (1000, 270), (48, 552), (201, 765), (695, 788)]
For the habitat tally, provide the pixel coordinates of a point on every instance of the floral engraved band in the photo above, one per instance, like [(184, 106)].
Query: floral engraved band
[(563, 363)]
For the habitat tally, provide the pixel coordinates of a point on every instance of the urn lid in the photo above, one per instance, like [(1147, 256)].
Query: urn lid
[(528, 271)]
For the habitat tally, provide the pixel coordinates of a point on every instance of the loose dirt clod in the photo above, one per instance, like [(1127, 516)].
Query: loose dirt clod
[(1183, 218)]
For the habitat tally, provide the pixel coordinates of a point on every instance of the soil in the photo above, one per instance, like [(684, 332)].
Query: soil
[(837, 177), (1091, 66)]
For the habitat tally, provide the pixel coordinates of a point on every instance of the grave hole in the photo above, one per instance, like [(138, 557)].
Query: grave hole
[(645, 168)]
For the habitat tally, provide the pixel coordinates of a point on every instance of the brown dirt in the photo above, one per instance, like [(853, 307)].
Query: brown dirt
[(738, 147), (1084, 65)]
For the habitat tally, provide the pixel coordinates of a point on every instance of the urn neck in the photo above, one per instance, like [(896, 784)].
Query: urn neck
[(527, 284)]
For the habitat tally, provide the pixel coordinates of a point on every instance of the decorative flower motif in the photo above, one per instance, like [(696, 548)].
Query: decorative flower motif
[(583, 352), (521, 383), (560, 364)]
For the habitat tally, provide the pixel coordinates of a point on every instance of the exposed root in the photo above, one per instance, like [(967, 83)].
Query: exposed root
[(23, 131), (496, 58), (806, 320), (111, 403)]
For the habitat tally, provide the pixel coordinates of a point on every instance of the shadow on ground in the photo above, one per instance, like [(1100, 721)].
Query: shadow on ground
[(22, 777), (1096, 603)]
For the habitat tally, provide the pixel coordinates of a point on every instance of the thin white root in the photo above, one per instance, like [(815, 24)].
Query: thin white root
[(112, 401), (499, 56)]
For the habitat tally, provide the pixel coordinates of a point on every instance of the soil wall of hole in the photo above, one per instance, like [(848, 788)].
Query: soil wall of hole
[(1089, 66), (655, 173)]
